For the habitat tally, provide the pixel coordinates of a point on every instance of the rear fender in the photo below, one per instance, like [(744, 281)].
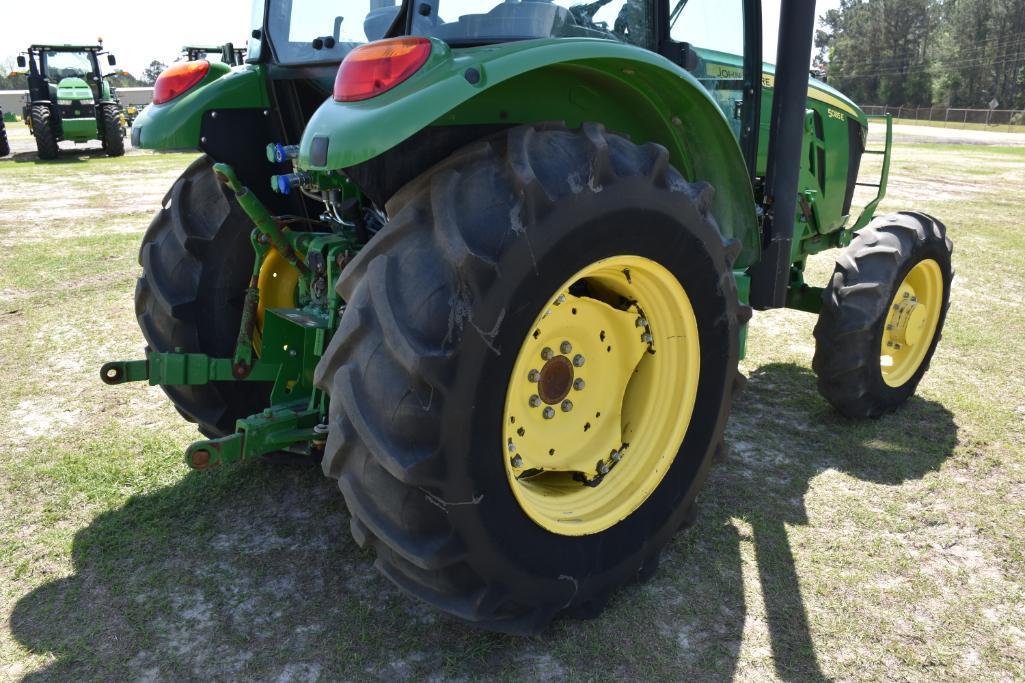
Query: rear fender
[(630, 90), (177, 124)]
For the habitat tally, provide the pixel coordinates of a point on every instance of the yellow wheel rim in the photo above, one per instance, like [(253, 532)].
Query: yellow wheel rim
[(911, 323), (601, 395), (277, 283)]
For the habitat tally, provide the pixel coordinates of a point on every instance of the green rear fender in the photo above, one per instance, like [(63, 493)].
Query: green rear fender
[(176, 124), (630, 90)]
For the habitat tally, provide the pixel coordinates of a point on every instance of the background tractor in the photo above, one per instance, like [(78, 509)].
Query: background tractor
[(499, 281), (227, 53), (69, 98)]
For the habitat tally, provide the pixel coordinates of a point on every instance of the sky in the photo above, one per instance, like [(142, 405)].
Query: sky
[(144, 30)]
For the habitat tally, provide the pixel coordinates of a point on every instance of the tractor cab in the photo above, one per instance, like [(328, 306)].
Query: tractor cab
[(70, 98)]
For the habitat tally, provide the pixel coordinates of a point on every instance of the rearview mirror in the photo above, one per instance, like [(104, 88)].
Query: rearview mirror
[(111, 60), (21, 61)]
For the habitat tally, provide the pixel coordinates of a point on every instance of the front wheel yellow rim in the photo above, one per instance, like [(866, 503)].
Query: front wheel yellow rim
[(911, 322), (601, 395)]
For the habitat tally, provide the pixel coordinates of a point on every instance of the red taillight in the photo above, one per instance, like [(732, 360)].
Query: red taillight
[(177, 79), (374, 68)]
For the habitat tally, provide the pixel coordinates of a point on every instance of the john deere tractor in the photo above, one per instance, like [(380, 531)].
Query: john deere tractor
[(494, 270), (69, 98)]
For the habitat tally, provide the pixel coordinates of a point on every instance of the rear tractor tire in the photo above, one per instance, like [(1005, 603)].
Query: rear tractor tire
[(43, 131), (533, 374), (113, 131), (197, 261), (883, 314)]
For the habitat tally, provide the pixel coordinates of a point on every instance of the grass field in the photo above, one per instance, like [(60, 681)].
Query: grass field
[(882, 550)]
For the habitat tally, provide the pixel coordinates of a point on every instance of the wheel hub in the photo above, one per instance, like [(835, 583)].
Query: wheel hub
[(555, 380), (908, 319)]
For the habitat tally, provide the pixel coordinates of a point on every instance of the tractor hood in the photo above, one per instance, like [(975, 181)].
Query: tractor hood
[(74, 88)]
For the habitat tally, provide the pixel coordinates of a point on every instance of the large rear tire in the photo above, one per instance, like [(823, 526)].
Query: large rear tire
[(196, 262), (113, 131), (421, 370), (883, 314), (42, 129)]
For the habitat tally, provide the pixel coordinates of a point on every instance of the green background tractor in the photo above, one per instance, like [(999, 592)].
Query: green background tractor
[(499, 281), (69, 98), (227, 53)]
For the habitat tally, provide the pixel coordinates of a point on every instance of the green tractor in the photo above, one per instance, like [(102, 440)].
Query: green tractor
[(494, 271), (226, 54), (69, 98)]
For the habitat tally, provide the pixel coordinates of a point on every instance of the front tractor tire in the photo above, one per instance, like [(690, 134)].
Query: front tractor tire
[(883, 314), (196, 261), (533, 374), (113, 131), (43, 131)]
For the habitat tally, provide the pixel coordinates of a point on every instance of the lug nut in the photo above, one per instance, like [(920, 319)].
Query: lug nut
[(534, 376), (567, 406), (617, 456), (578, 384), (603, 468), (517, 462), (561, 300), (546, 353), (578, 361), (549, 413), (566, 347), (641, 322), (512, 446), (646, 338), (535, 401)]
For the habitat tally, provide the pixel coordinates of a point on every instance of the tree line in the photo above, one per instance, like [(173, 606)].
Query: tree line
[(10, 79), (956, 53)]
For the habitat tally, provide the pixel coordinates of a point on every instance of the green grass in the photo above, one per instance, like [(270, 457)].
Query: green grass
[(826, 548)]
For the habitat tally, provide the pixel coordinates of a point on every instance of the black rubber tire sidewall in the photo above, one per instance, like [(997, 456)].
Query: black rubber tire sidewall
[(213, 276), (42, 130), (113, 134)]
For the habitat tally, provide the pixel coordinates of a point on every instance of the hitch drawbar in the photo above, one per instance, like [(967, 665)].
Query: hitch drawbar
[(180, 368)]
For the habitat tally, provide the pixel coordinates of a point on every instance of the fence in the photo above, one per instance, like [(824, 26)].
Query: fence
[(955, 118)]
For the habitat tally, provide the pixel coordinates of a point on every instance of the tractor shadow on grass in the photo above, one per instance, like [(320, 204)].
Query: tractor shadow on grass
[(65, 156), (249, 573)]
